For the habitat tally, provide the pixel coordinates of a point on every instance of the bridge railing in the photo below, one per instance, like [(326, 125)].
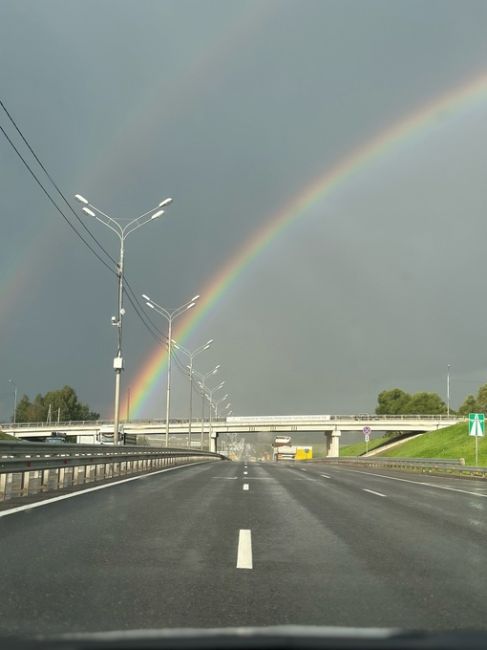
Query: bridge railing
[(27, 469), (233, 420)]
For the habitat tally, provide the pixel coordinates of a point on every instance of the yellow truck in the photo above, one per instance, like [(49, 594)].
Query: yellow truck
[(303, 453)]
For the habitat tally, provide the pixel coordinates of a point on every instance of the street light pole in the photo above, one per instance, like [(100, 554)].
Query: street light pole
[(209, 396), (14, 415), (122, 233), (218, 402), (191, 356), (448, 391), (202, 384), (169, 315)]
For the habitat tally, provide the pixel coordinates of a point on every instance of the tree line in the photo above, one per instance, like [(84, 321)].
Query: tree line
[(398, 402), (60, 404)]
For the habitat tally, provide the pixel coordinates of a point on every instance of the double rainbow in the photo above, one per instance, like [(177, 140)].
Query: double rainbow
[(149, 378)]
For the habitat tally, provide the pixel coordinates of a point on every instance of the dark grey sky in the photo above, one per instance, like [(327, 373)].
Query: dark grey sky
[(233, 108)]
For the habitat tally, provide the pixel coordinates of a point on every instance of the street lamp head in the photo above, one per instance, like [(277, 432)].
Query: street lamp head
[(81, 199), (157, 214), (88, 211), (167, 201), (209, 342), (145, 296), (192, 304), (206, 347), (195, 298), (149, 304)]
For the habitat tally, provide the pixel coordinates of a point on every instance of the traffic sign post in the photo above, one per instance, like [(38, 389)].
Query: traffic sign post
[(476, 428), (366, 431)]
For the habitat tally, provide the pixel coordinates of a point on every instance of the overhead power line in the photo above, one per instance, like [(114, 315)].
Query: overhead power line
[(27, 144), (52, 201), (130, 293)]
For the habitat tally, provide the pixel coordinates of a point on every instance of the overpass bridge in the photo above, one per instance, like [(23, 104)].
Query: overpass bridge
[(331, 425)]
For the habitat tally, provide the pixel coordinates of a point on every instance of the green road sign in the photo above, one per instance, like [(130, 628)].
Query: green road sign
[(476, 424)]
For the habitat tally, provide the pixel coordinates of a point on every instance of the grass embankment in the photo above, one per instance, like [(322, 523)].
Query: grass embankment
[(7, 436), (358, 448), (452, 442)]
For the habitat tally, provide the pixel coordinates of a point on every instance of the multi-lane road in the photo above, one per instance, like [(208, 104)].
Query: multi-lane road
[(230, 544)]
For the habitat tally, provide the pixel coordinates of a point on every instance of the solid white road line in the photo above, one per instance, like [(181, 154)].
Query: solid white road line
[(325, 476), (423, 483), (245, 486), (39, 504), (244, 553), (379, 494)]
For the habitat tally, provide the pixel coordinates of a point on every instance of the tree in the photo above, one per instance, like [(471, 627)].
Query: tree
[(426, 404), (482, 399), (392, 402), (65, 400), (468, 406), (475, 404), (398, 402)]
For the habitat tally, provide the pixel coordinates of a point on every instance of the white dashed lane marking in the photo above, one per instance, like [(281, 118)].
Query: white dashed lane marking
[(244, 553), (378, 494)]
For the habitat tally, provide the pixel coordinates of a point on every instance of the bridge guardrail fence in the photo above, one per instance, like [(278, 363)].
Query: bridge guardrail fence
[(27, 469), (235, 419)]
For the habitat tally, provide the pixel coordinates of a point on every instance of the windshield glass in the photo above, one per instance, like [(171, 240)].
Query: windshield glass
[(242, 317)]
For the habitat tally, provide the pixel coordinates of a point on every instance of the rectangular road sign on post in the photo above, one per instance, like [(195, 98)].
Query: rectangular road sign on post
[(476, 428), (476, 424)]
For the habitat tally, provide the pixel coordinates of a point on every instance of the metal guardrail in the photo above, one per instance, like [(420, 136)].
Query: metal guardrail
[(444, 462), (29, 468), (421, 464)]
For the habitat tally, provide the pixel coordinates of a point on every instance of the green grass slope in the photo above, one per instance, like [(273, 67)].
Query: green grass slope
[(452, 442), (7, 436), (358, 448)]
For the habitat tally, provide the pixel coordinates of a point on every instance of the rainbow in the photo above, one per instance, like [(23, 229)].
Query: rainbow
[(450, 103)]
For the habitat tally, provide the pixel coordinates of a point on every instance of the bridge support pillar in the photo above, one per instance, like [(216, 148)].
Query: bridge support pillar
[(213, 442), (333, 443)]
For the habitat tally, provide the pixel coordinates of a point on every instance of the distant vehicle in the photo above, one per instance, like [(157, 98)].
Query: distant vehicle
[(284, 453), (105, 436), (280, 441), (56, 438)]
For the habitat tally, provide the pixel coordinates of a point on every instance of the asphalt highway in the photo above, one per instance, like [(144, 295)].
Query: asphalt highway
[(228, 544)]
